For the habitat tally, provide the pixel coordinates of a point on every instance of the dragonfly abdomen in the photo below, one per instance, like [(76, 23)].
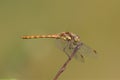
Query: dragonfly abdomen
[(40, 36)]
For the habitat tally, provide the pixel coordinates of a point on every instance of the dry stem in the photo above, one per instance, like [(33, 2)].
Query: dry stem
[(66, 63)]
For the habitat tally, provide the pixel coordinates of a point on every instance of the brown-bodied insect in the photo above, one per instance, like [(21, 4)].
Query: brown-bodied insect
[(68, 41)]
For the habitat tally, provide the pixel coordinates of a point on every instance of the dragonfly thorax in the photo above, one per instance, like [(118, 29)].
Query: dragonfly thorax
[(69, 37)]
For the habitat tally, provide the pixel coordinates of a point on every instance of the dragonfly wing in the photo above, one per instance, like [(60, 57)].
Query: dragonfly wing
[(79, 57), (64, 46), (84, 51)]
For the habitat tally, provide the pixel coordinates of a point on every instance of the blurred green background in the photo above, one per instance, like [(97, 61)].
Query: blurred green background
[(97, 22)]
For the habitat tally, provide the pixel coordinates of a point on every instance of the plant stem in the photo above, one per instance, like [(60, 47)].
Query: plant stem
[(62, 69)]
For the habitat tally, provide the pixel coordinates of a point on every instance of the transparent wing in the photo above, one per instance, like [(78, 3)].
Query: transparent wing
[(64, 46), (82, 52)]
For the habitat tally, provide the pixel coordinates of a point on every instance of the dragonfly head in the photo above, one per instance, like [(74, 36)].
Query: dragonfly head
[(76, 38)]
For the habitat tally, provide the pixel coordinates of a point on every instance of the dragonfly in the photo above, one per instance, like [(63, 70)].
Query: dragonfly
[(68, 42)]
